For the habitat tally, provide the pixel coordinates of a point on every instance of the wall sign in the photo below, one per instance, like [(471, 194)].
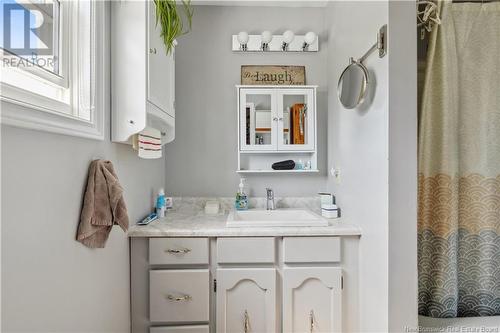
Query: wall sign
[(273, 75)]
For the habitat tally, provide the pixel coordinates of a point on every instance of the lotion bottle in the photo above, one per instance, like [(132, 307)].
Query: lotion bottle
[(241, 202), (160, 204)]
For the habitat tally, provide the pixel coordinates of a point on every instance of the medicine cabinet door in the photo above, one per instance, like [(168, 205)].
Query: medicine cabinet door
[(296, 119), (258, 119), (161, 67)]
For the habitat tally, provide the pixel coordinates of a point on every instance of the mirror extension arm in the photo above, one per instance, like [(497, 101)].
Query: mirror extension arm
[(380, 45)]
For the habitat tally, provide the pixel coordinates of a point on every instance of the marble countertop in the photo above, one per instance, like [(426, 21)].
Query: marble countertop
[(189, 220)]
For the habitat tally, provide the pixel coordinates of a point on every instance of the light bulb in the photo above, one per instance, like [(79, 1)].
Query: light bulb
[(266, 37), (288, 36), (243, 37), (310, 38)]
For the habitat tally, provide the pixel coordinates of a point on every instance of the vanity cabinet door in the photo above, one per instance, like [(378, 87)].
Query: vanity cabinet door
[(161, 67), (258, 119), (246, 300), (296, 119), (312, 299)]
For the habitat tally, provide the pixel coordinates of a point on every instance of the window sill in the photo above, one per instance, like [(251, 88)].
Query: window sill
[(29, 116)]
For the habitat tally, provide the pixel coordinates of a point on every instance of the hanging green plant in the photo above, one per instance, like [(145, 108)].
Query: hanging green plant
[(167, 14)]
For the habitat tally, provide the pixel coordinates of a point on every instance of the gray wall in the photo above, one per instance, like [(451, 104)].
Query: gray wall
[(202, 161), (50, 282), (359, 148), (403, 275)]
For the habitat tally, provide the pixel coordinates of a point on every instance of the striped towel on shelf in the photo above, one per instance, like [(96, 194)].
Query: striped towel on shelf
[(148, 143)]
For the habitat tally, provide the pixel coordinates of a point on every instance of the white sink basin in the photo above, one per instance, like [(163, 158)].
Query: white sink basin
[(275, 218)]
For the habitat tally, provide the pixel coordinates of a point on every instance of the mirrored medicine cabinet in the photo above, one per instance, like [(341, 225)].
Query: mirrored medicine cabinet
[(276, 123)]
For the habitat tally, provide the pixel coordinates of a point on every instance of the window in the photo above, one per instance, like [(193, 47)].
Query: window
[(41, 48), (52, 63)]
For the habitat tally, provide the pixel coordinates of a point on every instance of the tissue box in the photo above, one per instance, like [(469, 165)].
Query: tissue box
[(212, 207), (326, 198)]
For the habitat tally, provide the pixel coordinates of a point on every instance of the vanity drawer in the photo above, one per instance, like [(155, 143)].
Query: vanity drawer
[(245, 250), (175, 251), (180, 329), (179, 295), (311, 249)]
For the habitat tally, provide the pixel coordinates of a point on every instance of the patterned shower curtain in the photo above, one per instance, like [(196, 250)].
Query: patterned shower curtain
[(459, 165)]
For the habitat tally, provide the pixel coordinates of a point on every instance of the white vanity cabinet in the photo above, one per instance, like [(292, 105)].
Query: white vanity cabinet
[(246, 300), (276, 123), (312, 299), (236, 284), (142, 73)]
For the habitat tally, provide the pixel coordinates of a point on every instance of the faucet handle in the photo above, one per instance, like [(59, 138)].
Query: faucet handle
[(270, 191)]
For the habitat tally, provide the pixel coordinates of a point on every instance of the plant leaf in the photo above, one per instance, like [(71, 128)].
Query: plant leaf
[(171, 21)]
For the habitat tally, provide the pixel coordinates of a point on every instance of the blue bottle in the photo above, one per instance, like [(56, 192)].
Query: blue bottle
[(241, 202)]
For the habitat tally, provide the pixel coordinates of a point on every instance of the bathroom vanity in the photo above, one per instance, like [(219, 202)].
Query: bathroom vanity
[(192, 273)]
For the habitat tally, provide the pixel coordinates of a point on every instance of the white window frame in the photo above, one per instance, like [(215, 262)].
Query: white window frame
[(55, 105)]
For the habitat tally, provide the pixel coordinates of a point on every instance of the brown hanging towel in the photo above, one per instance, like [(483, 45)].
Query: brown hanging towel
[(103, 205)]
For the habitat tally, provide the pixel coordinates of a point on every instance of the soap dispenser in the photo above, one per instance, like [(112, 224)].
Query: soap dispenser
[(241, 202)]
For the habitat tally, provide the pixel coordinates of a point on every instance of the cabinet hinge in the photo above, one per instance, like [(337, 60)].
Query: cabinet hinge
[(215, 285), (342, 282)]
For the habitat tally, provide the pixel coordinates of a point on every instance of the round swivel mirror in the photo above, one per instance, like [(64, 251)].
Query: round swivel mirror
[(353, 84)]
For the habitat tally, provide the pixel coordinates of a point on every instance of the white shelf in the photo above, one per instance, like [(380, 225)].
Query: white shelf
[(277, 171), (255, 152), (270, 86)]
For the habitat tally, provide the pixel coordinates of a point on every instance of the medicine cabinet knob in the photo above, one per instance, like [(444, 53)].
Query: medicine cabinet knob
[(131, 122)]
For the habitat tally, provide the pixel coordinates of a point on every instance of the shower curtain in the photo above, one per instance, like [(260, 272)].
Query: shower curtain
[(459, 165)]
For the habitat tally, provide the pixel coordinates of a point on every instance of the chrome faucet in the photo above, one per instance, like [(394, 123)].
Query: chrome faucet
[(270, 199)]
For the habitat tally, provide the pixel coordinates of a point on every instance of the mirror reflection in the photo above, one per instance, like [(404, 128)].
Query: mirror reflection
[(353, 84), (262, 126), (295, 120), (258, 120)]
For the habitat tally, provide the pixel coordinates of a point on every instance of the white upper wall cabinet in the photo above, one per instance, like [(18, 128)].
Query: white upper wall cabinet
[(276, 123), (161, 68), (277, 119), (143, 74)]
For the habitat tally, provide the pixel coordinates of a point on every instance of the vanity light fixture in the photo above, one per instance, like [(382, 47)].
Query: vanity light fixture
[(243, 40), (309, 38), (267, 42), (266, 38), (288, 37)]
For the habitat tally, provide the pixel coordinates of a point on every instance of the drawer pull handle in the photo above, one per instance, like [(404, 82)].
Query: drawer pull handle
[(177, 251), (311, 321), (179, 298), (246, 323)]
